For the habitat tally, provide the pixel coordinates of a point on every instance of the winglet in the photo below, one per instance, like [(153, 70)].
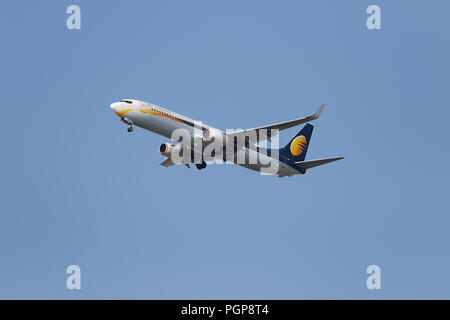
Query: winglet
[(316, 115)]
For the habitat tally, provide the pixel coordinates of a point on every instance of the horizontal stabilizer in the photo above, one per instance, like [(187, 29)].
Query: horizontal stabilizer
[(314, 163)]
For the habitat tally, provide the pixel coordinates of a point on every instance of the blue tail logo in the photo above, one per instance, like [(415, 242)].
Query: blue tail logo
[(296, 149), (298, 145)]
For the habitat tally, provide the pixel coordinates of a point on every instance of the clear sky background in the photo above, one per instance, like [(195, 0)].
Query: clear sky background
[(76, 188)]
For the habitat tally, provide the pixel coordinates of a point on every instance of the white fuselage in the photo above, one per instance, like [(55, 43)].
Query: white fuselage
[(164, 122)]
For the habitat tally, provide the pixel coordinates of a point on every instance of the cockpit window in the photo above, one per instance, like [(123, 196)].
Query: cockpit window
[(127, 101)]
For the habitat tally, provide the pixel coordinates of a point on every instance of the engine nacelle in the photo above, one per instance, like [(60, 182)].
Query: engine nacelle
[(167, 149), (216, 135)]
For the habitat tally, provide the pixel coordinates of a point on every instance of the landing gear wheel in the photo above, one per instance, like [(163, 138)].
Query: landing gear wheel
[(130, 129), (201, 165)]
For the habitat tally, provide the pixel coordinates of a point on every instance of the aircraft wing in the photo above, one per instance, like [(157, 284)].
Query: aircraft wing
[(167, 162), (275, 126)]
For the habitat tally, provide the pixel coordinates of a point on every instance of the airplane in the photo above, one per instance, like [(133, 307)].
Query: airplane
[(287, 161)]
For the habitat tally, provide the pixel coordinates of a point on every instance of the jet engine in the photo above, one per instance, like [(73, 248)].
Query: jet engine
[(167, 149)]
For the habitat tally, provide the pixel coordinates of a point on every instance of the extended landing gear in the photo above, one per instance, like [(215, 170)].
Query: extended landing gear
[(201, 165), (128, 122)]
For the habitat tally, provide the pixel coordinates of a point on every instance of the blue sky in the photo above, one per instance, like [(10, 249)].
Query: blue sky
[(76, 188)]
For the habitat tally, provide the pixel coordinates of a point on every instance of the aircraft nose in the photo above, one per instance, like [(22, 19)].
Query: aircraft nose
[(115, 107)]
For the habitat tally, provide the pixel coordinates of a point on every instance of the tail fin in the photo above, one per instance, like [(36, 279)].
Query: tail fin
[(296, 149)]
